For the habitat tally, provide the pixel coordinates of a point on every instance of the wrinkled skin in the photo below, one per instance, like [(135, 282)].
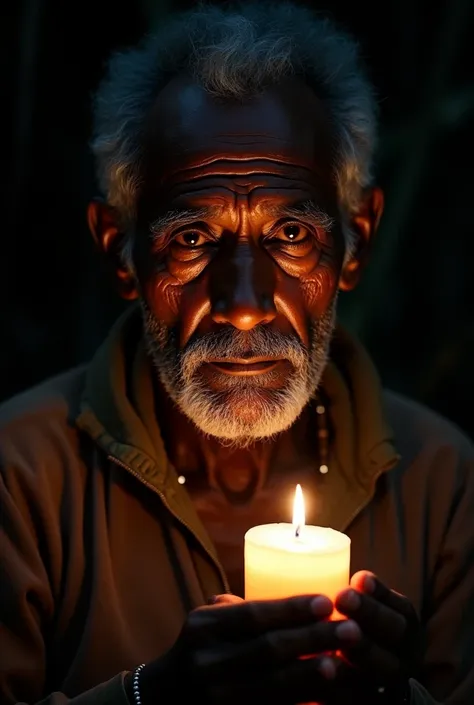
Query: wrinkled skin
[(242, 265)]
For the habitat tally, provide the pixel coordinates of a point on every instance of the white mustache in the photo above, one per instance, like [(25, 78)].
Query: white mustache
[(232, 343)]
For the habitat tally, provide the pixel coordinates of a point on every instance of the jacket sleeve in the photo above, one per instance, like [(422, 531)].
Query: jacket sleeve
[(27, 606), (110, 693), (448, 672)]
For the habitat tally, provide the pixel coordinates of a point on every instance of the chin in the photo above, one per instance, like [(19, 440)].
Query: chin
[(243, 415)]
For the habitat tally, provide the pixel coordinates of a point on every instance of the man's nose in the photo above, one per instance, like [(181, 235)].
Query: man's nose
[(242, 289)]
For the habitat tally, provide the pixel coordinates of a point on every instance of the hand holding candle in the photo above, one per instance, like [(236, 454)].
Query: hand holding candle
[(283, 560), (256, 650)]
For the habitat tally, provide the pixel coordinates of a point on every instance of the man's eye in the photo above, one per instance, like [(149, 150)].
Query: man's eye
[(292, 232), (190, 238)]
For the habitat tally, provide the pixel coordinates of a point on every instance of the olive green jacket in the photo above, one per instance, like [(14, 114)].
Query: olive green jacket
[(102, 554)]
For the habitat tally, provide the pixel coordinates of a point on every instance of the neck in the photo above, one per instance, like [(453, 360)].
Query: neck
[(236, 472)]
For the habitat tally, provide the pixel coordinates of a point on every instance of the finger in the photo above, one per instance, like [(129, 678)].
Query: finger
[(250, 619), (314, 680), (368, 583), (363, 581), (365, 688), (225, 599), (274, 648), (299, 681), (379, 622), (373, 662)]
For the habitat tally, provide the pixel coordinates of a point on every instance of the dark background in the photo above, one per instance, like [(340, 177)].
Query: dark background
[(414, 307)]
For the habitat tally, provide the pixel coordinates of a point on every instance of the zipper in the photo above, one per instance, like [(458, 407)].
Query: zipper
[(118, 462)]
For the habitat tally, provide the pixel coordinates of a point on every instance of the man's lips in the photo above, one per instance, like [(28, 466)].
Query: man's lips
[(245, 367)]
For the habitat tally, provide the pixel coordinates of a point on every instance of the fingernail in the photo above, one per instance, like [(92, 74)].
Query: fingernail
[(327, 669), (321, 606), (348, 630), (351, 600), (369, 584)]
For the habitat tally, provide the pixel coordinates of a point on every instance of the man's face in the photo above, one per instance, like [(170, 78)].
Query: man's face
[(239, 253)]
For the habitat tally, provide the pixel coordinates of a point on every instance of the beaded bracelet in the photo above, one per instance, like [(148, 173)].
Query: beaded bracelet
[(135, 684)]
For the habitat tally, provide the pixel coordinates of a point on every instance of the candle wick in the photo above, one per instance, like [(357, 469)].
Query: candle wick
[(297, 531)]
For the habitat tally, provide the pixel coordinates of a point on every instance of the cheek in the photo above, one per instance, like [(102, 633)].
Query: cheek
[(314, 278), (163, 295), (319, 287), (187, 271), (179, 305), (165, 290)]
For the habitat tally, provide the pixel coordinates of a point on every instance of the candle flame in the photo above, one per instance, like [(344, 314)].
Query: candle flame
[(298, 510)]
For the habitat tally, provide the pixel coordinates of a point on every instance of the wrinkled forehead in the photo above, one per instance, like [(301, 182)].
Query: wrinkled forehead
[(189, 128)]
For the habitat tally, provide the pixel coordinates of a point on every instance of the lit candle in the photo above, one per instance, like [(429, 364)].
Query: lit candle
[(282, 560)]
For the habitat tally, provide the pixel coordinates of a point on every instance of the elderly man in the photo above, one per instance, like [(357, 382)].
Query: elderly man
[(233, 150)]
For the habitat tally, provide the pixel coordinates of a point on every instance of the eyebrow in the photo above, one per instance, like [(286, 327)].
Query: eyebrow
[(181, 217), (306, 209), (178, 218)]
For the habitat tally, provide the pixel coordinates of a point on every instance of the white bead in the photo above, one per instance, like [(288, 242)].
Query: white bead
[(320, 409), (181, 479), (323, 469)]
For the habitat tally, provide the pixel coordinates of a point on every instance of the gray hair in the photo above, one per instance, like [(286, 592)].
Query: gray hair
[(233, 53)]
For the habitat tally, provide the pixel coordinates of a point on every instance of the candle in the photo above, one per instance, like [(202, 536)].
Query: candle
[(282, 560)]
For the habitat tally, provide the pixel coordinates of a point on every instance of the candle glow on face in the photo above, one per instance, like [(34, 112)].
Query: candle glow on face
[(282, 560)]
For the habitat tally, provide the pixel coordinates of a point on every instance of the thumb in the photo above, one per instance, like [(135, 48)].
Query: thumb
[(225, 599)]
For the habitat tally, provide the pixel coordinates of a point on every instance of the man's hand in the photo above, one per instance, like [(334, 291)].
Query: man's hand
[(249, 652), (389, 652)]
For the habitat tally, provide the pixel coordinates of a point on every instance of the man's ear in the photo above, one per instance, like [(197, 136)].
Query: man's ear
[(363, 225), (109, 240)]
